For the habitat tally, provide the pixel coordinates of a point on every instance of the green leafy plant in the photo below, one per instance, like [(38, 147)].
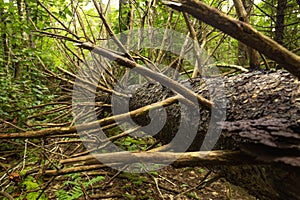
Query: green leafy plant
[(31, 184), (135, 178), (75, 183), (132, 143)]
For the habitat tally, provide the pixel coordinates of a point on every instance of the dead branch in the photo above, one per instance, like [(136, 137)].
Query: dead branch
[(164, 80), (103, 122), (74, 169), (201, 158), (239, 30)]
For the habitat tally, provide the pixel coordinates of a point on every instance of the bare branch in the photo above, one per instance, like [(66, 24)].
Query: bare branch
[(241, 31), (200, 158), (164, 80)]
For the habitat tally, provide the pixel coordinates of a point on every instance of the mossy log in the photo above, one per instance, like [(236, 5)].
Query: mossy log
[(262, 120)]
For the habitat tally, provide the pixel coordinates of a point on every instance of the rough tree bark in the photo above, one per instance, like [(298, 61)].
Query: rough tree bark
[(256, 96), (279, 28), (275, 141)]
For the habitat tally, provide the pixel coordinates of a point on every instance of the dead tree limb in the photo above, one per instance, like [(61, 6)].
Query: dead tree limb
[(185, 92), (269, 152), (239, 30), (92, 125), (199, 158)]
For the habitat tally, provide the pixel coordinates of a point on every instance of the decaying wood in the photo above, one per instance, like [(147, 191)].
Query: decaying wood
[(251, 95), (262, 126), (269, 140), (200, 158), (128, 159), (75, 169), (239, 30), (274, 141), (268, 155), (262, 120)]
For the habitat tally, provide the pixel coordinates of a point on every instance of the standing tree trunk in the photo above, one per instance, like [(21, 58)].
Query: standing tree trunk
[(17, 64), (28, 15), (279, 27), (242, 48), (4, 37), (244, 9)]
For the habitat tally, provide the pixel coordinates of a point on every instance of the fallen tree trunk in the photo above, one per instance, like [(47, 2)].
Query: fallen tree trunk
[(250, 96), (262, 126), (274, 141), (268, 105), (268, 155)]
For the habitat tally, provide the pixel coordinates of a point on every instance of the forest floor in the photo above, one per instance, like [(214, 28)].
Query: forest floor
[(167, 183), (23, 179)]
